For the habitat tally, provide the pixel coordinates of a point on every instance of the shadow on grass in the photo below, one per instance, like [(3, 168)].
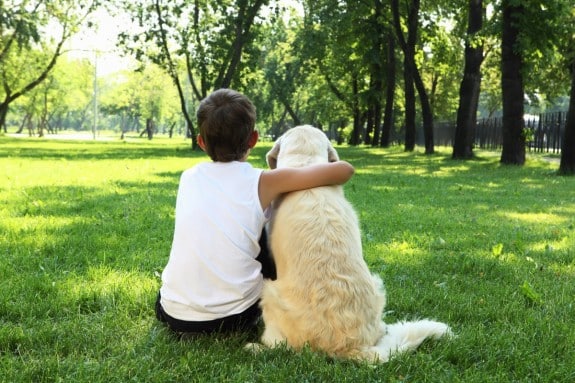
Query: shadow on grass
[(498, 326), (92, 150), (75, 249)]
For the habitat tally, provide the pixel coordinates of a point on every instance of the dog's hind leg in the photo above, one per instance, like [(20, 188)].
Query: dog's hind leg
[(272, 336)]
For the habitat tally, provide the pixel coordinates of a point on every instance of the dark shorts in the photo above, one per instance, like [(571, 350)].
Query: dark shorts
[(245, 321)]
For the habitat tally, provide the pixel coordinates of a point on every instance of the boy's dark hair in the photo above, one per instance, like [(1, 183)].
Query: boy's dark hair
[(226, 119)]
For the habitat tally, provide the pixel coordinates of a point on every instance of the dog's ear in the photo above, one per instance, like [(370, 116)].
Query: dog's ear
[(332, 154), (272, 156)]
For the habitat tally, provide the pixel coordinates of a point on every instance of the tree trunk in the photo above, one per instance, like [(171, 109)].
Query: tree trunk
[(390, 92), (290, 111), (426, 112), (369, 122), (377, 74), (23, 124), (372, 135), (30, 126), (409, 108), (149, 130), (244, 23), (409, 67), (470, 86), (355, 134), (513, 152), (353, 106), (408, 48), (3, 113), (567, 165), (172, 71)]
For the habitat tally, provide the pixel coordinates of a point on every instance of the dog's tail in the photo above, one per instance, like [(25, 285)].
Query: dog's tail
[(407, 336)]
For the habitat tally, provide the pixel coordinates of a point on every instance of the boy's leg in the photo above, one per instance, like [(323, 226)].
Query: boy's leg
[(160, 314), (265, 258)]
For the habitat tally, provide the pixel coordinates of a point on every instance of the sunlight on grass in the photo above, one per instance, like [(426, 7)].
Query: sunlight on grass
[(547, 248), (21, 224), (401, 249), (102, 288), (542, 218)]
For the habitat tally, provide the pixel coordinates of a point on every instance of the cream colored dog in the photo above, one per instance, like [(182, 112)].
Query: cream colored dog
[(325, 295)]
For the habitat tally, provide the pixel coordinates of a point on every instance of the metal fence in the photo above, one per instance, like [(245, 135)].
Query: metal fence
[(544, 132)]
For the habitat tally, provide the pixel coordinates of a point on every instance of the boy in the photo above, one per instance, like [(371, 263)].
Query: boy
[(213, 281)]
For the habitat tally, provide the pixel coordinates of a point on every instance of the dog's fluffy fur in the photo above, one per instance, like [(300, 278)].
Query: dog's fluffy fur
[(325, 295)]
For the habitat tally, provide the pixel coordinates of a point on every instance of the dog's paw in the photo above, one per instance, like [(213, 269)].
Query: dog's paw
[(254, 347)]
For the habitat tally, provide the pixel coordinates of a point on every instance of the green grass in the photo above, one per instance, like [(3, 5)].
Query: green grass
[(86, 227)]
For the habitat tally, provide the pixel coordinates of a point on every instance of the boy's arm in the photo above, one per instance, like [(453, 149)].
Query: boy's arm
[(278, 181)]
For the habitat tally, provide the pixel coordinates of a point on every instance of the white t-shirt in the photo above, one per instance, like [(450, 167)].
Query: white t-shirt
[(212, 272)]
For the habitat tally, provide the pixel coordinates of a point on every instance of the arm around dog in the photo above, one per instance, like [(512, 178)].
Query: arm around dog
[(275, 182)]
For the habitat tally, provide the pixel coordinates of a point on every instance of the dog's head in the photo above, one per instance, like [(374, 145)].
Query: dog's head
[(300, 146)]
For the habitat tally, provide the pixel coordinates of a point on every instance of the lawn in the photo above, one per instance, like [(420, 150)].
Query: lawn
[(86, 227)]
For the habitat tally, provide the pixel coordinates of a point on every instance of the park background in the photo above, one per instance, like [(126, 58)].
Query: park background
[(482, 238), (370, 72)]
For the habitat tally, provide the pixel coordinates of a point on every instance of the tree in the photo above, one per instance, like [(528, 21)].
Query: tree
[(512, 85), (284, 68), (407, 45), (143, 101), (438, 60), (375, 59), (490, 96), (332, 40), (412, 76), (152, 96), (470, 84), (567, 164), (528, 50), (389, 91), (61, 101), (73, 95), (197, 42), (25, 42)]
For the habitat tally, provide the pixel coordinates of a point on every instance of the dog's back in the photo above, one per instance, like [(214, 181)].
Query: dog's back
[(324, 294), (331, 300)]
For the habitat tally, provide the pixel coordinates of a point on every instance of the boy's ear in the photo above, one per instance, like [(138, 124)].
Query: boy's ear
[(253, 139), (201, 143)]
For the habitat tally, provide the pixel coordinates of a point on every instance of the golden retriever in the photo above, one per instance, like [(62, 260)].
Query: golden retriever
[(324, 295)]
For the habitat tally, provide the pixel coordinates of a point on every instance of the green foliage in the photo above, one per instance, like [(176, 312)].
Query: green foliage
[(199, 39), (297, 66), (545, 31), (439, 58), (143, 94), (63, 97), (334, 37), (32, 35), (85, 230), (295, 91)]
